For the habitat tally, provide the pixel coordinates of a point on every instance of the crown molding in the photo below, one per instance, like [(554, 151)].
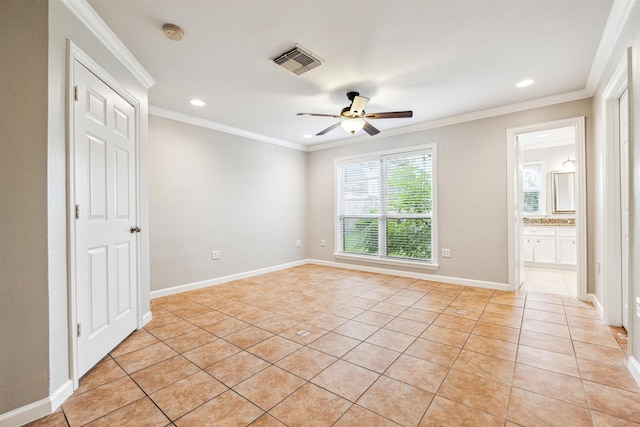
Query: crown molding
[(462, 118), (208, 124), (85, 13), (613, 28), (433, 124)]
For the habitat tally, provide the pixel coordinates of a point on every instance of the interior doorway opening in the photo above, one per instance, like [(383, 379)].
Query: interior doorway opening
[(547, 209), (547, 194)]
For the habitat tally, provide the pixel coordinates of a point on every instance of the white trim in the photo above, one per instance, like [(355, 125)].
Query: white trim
[(433, 124), (434, 278), (219, 280), (146, 318), (611, 225), (39, 409), (94, 23), (208, 124), (74, 53), (613, 28), (462, 118), (422, 276), (634, 368), (596, 302), (387, 261), (581, 211)]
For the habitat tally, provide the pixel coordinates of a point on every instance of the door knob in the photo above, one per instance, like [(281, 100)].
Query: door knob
[(134, 229)]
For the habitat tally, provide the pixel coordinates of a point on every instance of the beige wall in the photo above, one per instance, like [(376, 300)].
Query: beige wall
[(34, 342), (24, 334), (472, 190), (215, 191)]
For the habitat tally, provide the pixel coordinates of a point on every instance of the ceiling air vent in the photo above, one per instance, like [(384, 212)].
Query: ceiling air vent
[(297, 60)]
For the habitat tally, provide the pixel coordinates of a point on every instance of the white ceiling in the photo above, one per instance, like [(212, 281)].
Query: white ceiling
[(440, 58)]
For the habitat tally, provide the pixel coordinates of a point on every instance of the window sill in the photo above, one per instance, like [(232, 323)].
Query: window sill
[(387, 261)]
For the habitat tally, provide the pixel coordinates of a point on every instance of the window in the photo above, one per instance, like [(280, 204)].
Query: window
[(533, 188), (386, 205)]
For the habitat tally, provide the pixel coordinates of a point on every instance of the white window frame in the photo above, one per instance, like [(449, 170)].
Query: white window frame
[(542, 206), (378, 259)]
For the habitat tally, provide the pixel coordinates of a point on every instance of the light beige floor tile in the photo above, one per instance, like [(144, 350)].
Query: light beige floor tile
[(346, 379), (187, 394), (444, 412), (310, 406)]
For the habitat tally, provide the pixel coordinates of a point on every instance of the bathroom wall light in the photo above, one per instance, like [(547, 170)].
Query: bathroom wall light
[(569, 164)]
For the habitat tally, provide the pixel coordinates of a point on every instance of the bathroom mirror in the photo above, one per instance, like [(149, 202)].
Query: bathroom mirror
[(564, 192)]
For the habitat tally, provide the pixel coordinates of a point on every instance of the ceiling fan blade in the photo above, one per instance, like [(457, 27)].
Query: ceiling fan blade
[(330, 128), (357, 105), (319, 115), (390, 115), (370, 129)]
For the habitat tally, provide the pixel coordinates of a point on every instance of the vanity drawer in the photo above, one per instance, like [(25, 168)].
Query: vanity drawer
[(539, 231), (566, 231)]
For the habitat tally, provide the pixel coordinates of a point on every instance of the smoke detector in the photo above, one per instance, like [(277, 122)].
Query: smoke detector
[(173, 32), (298, 60)]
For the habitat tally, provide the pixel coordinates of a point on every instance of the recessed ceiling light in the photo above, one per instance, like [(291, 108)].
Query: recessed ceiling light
[(307, 135), (525, 83), (544, 135), (197, 103)]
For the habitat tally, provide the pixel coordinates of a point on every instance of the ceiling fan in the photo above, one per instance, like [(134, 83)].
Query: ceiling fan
[(353, 117)]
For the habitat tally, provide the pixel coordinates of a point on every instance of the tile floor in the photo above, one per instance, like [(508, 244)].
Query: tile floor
[(319, 346), (551, 281)]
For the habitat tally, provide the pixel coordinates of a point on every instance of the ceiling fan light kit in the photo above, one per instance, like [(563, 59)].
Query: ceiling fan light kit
[(353, 117), (352, 125)]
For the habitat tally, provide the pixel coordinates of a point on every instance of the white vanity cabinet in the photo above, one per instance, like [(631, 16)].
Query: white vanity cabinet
[(566, 246), (549, 246), (539, 245)]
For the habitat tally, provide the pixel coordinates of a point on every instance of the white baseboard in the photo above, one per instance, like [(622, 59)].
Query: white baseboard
[(146, 318), (39, 409), (596, 302), (634, 368), (219, 280), (422, 276), (435, 278)]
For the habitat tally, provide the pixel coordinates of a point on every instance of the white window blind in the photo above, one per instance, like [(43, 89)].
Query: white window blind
[(385, 206), (533, 188)]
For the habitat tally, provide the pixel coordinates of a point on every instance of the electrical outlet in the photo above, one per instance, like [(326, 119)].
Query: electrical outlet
[(323, 243), (298, 242), (215, 255), (446, 253)]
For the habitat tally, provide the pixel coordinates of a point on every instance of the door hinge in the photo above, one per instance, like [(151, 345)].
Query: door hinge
[(79, 329), (75, 92), (77, 211)]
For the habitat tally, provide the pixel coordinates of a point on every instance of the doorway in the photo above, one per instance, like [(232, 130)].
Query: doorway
[(546, 207)]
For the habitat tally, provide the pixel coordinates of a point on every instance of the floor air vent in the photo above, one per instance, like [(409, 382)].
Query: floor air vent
[(297, 60)]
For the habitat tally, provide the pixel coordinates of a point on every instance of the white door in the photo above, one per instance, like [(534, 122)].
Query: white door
[(624, 204), (105, 198)]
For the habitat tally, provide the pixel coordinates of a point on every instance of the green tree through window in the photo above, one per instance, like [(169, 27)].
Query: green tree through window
[(390, 214)]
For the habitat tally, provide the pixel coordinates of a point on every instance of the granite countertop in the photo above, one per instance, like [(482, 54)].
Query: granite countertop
[(566, 222)]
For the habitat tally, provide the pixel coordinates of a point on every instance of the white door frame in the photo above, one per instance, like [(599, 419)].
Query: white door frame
[(612, 239), (74, 53), (513, 223)]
